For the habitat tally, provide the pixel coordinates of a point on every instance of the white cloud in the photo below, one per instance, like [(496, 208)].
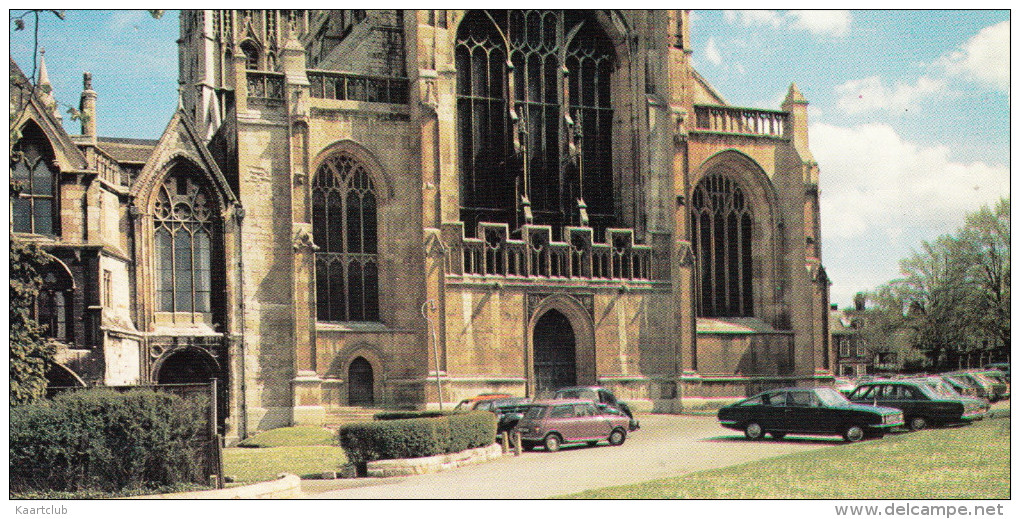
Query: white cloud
[(983, 58), (821, 23), (753, 18), (712, 52), (871, 93), (875, 183), (818, 23)]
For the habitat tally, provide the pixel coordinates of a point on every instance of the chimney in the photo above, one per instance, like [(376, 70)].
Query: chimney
[(88, 107)]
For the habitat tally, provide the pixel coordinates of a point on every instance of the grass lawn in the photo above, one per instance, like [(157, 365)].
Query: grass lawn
[(294, 450), (247, 465), (291, 436), (969, 462)]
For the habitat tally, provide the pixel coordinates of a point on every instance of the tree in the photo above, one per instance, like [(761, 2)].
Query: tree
[(986, 250), (953, 298), (30, 353)]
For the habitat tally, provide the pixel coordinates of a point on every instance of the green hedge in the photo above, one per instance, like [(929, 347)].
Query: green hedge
[(417, 437), (102, 440), (401, 415)]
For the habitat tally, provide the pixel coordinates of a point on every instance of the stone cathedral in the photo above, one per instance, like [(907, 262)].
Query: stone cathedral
[(402, 208)]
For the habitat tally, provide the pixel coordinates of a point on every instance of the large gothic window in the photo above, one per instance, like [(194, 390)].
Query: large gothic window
[(32, 169), (722, 223), (344, 228), (537, 125), (185, 229)]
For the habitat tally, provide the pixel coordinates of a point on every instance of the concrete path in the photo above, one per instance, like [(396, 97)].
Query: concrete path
[(665, 446)]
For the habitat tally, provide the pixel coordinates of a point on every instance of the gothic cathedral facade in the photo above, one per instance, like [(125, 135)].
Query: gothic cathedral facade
[(402, 208)]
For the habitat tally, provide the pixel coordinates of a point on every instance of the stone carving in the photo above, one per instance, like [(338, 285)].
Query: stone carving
[(679, 126), (685, 255), (429, 94), (303, 239)]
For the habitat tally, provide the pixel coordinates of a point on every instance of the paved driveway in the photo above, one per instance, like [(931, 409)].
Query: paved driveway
[(664, 446)]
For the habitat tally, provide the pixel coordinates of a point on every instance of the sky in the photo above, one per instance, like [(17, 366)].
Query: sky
[(909, 110)]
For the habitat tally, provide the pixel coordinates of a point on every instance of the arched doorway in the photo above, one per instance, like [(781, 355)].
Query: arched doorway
[(360, 386), (555, 352), (186, 367)]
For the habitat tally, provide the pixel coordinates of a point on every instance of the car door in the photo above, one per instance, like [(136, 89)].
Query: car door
[(591, 423), (772, 414), (803, 414), (562, 420)]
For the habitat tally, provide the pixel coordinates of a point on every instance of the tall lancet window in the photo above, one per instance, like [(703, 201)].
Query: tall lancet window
[(538, 124), (32, 170), (344, 228), (722, 235), (186, 219)]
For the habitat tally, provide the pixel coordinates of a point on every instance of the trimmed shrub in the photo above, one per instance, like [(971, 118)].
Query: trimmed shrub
[(417, 437), (401, 415), (102, 440)]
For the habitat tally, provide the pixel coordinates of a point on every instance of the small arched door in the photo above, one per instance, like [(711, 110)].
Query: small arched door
[(360, 390), (186, 367), (555, 352)]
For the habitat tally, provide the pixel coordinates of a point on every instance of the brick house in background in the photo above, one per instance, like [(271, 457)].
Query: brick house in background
[(397, 207)]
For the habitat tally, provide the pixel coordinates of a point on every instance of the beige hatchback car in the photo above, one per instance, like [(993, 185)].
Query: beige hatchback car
[(553, 423)]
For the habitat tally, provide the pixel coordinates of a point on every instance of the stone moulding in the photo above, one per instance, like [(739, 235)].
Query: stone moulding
[(432, 464)]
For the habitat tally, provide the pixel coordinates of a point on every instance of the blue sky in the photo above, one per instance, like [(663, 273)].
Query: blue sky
[(909, 109)]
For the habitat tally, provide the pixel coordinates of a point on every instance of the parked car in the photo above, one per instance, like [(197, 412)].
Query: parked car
[(469, 403), (960, 385), (845, 385), (508, 410), (1000, 366), (920, 404), (556, 422), (999, 383), (602, 397), (820, 410), (983, 387)]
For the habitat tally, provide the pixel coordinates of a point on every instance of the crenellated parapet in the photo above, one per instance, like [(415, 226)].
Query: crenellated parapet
[(533, 252)]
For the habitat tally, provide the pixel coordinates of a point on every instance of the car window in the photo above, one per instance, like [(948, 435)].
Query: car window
[(534, 412), (484, 406), (607, 397), (752, 401), (562, 411), (801, 399), (774, 399), (569, 394), (584, 410)]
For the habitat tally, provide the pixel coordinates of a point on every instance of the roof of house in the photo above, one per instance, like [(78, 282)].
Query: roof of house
[(127, 150)]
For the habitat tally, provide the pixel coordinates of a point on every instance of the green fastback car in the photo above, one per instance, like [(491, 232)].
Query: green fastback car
[(820, 410)]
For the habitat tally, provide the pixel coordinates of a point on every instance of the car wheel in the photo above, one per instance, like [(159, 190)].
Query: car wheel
[(853, 433), (617, 437), (917, 423), (552, 443), (753, 431), (778, 436)]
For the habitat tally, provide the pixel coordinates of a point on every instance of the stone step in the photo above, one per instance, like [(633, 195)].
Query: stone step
[(350, 414)]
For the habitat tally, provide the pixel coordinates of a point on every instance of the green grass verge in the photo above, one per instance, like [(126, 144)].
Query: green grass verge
[(254, 465), (291, 436), (969, 462)]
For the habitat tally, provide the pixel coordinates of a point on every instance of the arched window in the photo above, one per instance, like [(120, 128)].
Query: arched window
[(344, 228), (186, 225), (54, 308), (33, 171), (539, 125), (722, 235), (251, 55)]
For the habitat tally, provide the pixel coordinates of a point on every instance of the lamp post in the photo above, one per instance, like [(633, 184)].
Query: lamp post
[(430, 306)]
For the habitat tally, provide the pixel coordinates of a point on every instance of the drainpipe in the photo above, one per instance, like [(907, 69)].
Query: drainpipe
[(430, 306), (243, 419)]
